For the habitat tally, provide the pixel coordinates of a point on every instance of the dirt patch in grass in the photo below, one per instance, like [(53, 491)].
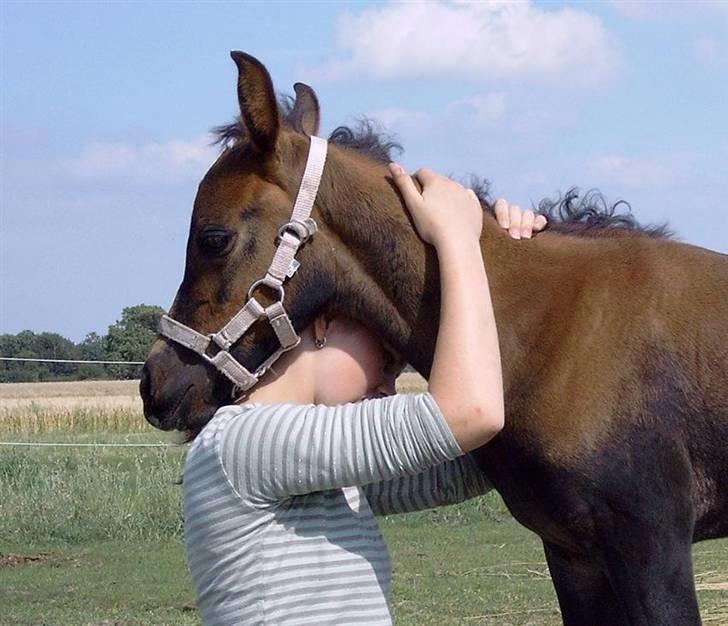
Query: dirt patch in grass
[(11, 560), (41, 558)]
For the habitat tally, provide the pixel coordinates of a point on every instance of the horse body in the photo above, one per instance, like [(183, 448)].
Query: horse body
[(613, 341), (614, 449), (614, 355)]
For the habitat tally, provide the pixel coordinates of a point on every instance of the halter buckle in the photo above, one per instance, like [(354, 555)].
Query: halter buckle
[(303, 230), (220, 341)]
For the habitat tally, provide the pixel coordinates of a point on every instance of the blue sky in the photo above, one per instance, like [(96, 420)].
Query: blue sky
[(105, 110)]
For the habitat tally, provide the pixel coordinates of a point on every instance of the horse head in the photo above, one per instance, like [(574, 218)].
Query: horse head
[(355, 264)]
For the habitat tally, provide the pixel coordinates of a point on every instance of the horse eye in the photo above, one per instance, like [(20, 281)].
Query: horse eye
[(215, 241)]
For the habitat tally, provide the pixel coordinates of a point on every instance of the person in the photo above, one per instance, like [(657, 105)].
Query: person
[(280, 492)]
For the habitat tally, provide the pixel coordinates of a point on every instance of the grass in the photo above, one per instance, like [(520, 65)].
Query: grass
[(93, 537), (62, 496), (110, 583)]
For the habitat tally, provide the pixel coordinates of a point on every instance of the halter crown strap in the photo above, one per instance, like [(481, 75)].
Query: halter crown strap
[(291, 236)]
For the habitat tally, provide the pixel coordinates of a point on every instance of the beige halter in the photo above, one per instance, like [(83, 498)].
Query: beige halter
[(215, 348)]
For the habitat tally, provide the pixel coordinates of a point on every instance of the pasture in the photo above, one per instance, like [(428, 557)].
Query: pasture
[(93, 535)]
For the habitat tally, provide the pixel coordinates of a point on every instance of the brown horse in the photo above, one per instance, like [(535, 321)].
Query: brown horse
[(615, 352)]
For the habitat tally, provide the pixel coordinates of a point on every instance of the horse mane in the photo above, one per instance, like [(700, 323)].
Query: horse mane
[(573, 213), (591, 215), (366, 137)]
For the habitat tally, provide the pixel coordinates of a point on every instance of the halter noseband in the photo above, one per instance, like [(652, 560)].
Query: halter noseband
[(215, 348)]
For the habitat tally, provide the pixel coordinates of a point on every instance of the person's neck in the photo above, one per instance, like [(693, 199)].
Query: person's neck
[(287, 382)]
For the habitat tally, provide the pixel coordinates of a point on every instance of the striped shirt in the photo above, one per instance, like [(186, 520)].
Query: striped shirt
[(280, 499)]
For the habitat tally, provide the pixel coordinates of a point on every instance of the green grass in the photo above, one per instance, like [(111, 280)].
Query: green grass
[(69, 496), (110, 583), (103, 530)]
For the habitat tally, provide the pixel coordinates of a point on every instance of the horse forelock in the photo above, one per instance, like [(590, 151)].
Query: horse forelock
[(365, 136)]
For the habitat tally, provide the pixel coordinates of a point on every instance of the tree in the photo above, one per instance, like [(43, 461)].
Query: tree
[(28, 344), (19, 346), (92, 349), (54, 346), (131, 338)]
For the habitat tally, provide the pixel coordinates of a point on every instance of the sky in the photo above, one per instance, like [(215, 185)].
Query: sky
[(105, 111)]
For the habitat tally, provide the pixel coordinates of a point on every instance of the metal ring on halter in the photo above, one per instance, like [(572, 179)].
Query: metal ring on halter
[(267, 283)]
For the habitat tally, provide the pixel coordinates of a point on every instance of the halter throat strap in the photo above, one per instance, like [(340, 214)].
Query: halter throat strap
[(215, 348)]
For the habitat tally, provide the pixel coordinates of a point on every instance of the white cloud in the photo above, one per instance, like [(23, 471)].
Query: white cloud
[(630, 171), (485, 109), (637, 9), (397, 117), (652, 11), (479, 41), (172, 161)]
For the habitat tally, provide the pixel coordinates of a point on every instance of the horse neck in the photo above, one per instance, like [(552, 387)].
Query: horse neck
[(388, 278)]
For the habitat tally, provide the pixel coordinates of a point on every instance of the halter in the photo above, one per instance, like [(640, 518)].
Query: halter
[(215, 348)]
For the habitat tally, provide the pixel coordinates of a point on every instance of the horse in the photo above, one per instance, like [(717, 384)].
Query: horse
[(614, 343)]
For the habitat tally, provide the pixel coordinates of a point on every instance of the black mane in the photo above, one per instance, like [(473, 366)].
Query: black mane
[(588, 215), (366, 136), (591, 215)]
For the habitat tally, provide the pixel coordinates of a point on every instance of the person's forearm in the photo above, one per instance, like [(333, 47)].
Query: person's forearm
[(447, 483), (466, 378)]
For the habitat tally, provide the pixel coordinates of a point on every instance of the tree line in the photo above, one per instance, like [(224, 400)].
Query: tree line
[(128, 339)]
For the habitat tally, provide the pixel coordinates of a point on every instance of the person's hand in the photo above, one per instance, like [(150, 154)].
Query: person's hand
[(444, 210), (519, 222)]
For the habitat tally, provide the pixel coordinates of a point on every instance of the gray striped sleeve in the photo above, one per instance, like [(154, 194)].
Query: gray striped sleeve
[(271, 452), (447, 483)]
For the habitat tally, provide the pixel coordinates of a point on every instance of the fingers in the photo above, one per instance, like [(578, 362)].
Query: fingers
[(406, 185), (514, 227), (527, 220), (520, 223), (502, 214), (425, 176)]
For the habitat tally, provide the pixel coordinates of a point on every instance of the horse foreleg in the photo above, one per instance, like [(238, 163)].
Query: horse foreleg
[(652, 576), (584, 593)]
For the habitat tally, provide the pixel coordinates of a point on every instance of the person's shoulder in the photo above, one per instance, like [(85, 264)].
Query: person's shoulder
[(230, 420), (221, 420)]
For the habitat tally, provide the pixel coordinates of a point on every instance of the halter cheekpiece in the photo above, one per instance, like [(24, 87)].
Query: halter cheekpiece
[(215, 348)]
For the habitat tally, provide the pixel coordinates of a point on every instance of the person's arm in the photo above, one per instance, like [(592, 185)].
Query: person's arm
[(466, 377), (288, 450), (271, 452), (448, 483)]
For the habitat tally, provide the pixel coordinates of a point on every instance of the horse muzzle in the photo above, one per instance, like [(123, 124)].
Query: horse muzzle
[(179, 393)]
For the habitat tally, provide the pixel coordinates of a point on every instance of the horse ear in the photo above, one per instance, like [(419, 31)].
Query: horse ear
[(306, 114), (258, 105)]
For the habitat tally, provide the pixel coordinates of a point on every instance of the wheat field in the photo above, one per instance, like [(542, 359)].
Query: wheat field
[(83, 406), (93, 406)]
